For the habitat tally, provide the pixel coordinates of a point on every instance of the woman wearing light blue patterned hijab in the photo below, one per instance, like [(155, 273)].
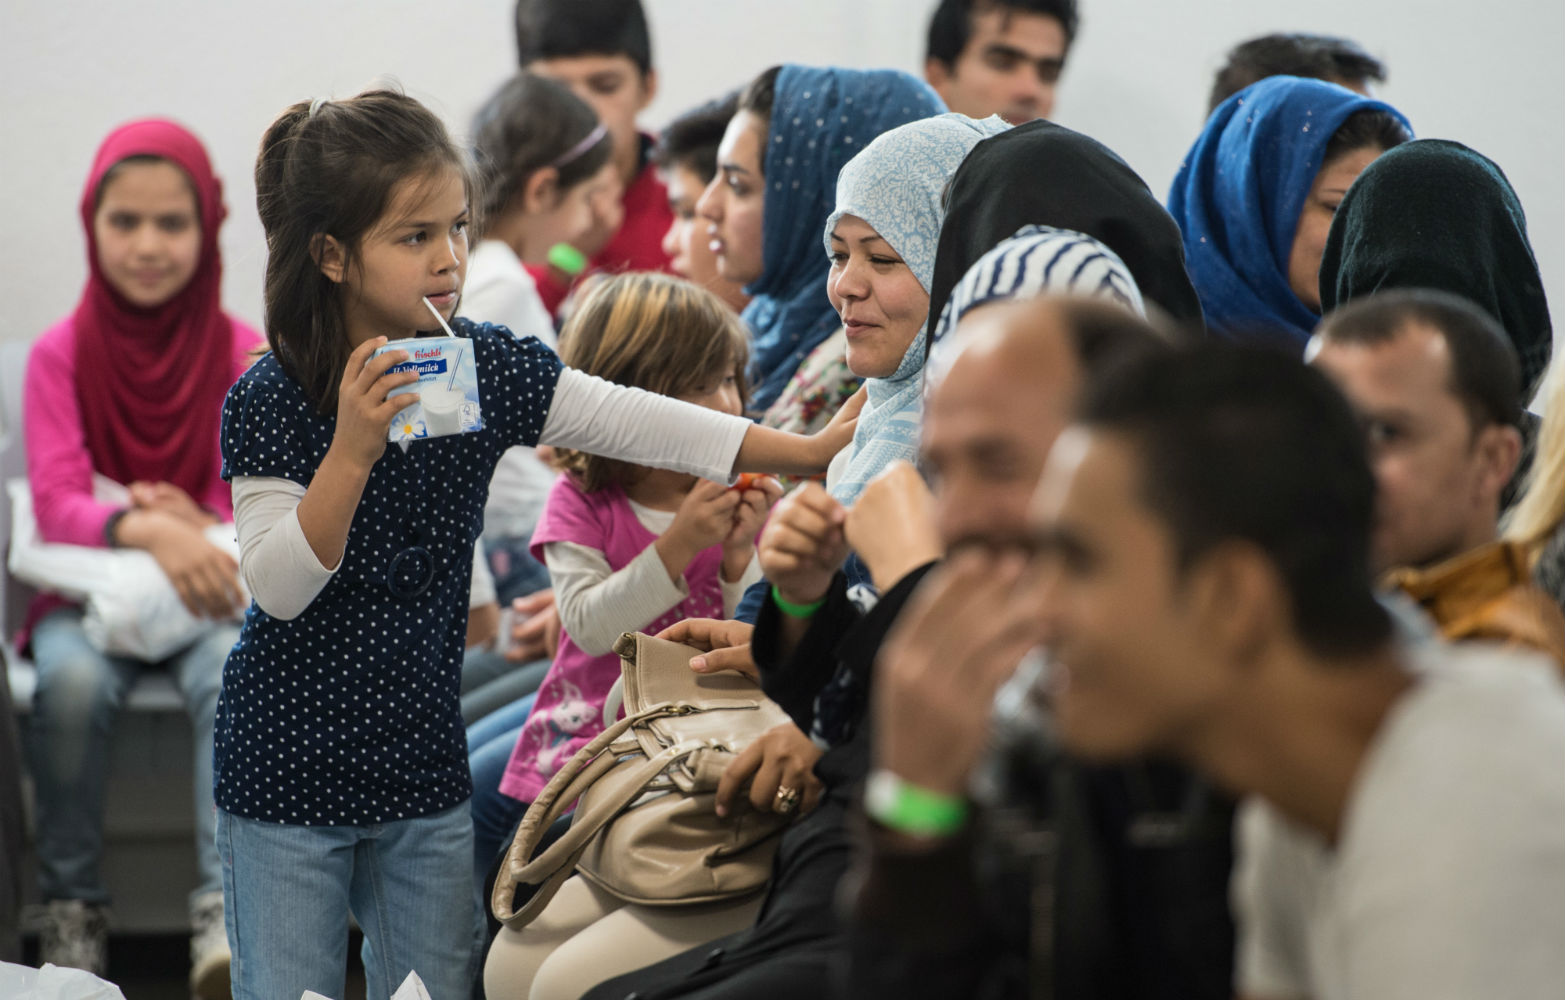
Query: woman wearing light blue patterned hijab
[(884, 231)]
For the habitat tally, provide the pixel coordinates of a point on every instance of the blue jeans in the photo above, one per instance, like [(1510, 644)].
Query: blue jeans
[(80, 692), (288, 892), (495, 814)]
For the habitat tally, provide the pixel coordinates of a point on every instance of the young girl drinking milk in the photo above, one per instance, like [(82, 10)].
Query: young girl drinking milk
[(341, 774)]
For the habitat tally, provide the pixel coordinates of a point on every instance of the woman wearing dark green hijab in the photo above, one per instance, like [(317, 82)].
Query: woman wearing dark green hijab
[(1436, 214)]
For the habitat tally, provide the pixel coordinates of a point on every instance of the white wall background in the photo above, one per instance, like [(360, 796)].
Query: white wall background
[(1489, 75)]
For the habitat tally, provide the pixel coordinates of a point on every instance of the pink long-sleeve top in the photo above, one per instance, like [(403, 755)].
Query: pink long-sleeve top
[(59, 467)]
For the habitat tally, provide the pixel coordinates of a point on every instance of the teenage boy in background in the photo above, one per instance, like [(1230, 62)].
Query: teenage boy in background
[(999, 57), (602, 50)]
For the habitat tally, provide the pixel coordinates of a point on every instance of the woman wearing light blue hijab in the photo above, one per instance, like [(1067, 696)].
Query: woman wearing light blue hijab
[(1256, 195), (881, 239)]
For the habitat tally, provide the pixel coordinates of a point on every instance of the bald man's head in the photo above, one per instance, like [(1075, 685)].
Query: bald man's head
[(992, 420)]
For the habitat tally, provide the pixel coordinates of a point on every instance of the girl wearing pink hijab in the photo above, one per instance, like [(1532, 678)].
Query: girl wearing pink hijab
[(130, 386)]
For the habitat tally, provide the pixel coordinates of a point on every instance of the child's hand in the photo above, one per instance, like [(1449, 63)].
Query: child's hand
[(363, 410), (838, 434), (703, 520), (535, 628), (754, 501), (804, 545)]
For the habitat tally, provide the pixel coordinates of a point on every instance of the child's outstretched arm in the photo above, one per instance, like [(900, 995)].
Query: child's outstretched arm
[(363, 417), (591, 415), (767, 450)]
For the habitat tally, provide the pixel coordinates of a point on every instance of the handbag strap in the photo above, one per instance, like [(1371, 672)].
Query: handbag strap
[(550, 869)]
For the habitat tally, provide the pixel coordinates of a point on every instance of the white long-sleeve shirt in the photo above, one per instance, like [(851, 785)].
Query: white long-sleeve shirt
[(587, 414)]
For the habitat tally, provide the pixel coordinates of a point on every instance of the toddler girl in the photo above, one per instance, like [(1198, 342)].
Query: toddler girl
[(630, 548)]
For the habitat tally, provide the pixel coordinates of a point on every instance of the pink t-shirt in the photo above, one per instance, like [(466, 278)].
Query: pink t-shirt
[(568, 712)]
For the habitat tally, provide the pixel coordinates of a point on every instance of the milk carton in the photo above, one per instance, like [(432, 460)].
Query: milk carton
[(447, 387)]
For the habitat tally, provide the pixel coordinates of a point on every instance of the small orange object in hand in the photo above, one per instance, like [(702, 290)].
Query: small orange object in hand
[(744, 481)]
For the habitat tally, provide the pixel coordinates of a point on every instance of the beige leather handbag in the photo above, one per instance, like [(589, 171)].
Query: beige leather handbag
[(645, 827)]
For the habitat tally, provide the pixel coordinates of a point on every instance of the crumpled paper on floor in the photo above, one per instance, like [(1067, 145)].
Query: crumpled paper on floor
[(19, 982), (412, 988)]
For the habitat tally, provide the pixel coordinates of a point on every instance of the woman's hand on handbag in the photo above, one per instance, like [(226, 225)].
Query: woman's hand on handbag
[(205, 577), (892, 525), (725, 643), (779, 768), (960, 637), (804, 544)]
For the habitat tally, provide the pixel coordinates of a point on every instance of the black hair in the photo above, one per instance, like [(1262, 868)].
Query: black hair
[(329, 168), (142, 159), (1247, 444), (757, 97), (1485, 373), (1372, 127), (1104, 335), (760, 94), (951, 25), (1320, 57), (530, 123), (691, 140), (561, 29)]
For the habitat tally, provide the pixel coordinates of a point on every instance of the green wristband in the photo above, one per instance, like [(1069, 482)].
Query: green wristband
[(908, 808), (568, 259), (796, 610)]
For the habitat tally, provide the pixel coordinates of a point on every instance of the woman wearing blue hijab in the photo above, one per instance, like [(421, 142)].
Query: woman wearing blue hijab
[(777, 174), (1256, 194)]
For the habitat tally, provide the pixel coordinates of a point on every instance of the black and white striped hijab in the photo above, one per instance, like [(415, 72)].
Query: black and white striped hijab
[(1036, 261)]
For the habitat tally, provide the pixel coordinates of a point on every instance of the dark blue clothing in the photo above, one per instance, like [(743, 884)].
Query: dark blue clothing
[(821, 118), (349, 713), (1238, 196)]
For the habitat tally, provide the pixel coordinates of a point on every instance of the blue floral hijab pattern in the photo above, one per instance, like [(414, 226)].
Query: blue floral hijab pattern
[(1238, 196), (821, 118), (896, 185)]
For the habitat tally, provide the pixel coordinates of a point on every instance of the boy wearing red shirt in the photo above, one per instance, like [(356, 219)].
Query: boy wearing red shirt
[(602, 50)]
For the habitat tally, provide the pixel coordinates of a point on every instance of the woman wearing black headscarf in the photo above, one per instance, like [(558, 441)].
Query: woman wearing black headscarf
[(1045, 174), (1436, 214)]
